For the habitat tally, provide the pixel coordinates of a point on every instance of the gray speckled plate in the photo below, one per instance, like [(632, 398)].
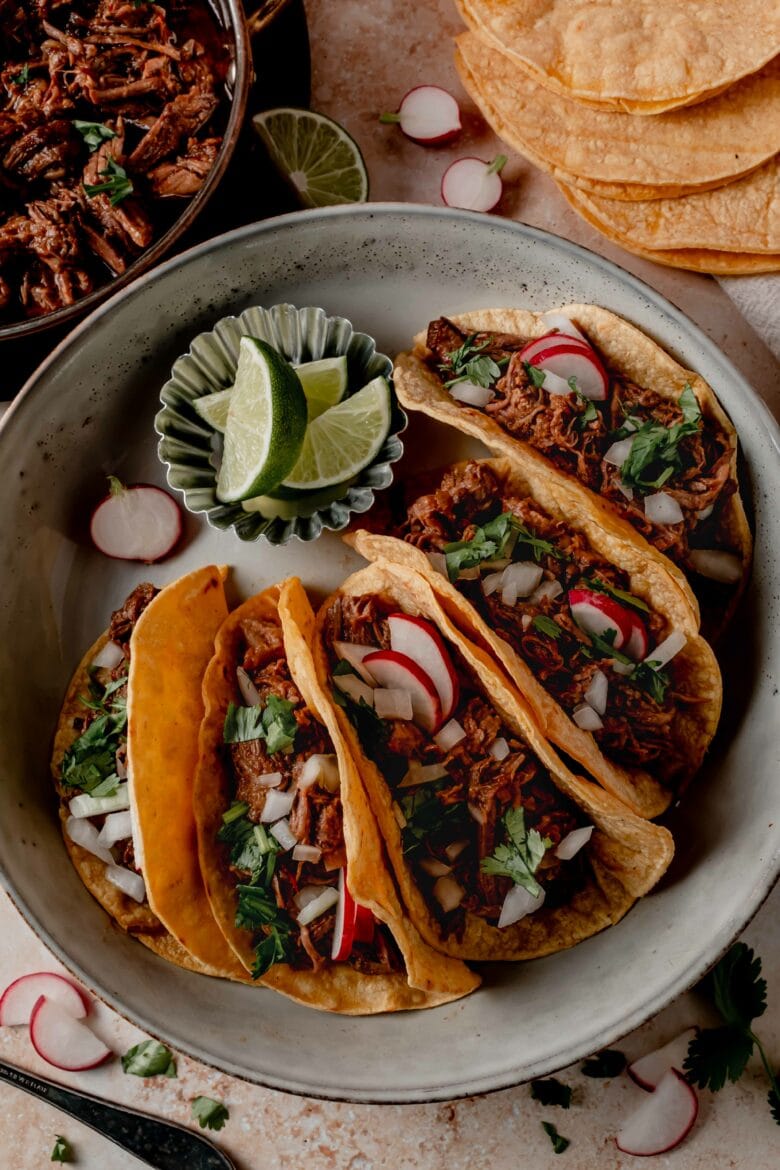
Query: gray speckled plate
[(89, 411)]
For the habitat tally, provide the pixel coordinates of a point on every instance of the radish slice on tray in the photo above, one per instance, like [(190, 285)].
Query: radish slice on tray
[(662, 1120), (21, 996), (396, 671), (62, 1040), (473, 184), (651, 1068), (136, 523), (423, 643), (427, 114)]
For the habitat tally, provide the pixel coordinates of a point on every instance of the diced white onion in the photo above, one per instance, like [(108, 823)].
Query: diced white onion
[(476, 814), (666, 650), (108, 656), (553, 383), (355, 688), (434, 867), (517, 904), (306, 853), (717, 565), (630, 425), (562, 323), (526, 620), (305, 895), (472, 394), (450, 735), (525, 575), (322, 769), (492, 582), (128, 881), (117, 826), (85, 805), (551, 589), (509, 595), (661, 508), (393, 704), (448, 893), (277, 805), (705, 513), (499, 748), (284, 834), (619, 451), (454, 850), (85, 834), (624, 668), (327, 897), (270, 779), (422, 774), (353, 653), (586, 718), (627, 491), (438, 562), (249, 692), (573, 842), (596, 694), (399, 815)]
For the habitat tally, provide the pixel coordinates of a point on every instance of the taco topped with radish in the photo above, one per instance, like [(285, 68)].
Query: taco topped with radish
[(599, 642), (644, 440), (500, 852)]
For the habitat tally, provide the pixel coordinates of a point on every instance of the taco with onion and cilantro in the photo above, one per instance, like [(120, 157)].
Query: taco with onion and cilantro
[(499, 850), (596, 638), (599, 405)]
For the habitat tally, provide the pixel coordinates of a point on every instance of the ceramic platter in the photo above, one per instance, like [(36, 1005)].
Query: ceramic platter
[(88, 412)]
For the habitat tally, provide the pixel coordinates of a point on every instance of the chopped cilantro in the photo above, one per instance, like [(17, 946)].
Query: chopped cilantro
[(589, 413), (619, 594), (559, 1143), (604, 643), (519, 857), (495, 540), (63, 1151), (251, 848), (649, 676), (116, 183), (150, 1058), (655, 452), (94, 133), (470, 364), (716, 1055), (258, 911), (372, 731), (607, 1063), (90, 761), (21, 79), (275, 723), (546, 625), (536, 375), (426, 817), (209, 1114), (343, 667), (551, 1092)]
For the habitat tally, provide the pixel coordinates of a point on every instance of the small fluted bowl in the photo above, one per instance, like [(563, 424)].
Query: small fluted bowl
[(191, 450)]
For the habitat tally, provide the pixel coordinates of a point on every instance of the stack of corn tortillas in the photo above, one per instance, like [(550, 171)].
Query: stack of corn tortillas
[(659, 119)]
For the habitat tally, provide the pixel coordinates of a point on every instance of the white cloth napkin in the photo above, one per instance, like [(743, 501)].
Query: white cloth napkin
[(758, 300)]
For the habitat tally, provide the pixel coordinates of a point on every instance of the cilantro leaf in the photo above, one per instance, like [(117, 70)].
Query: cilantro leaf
[(737, 988), (90, 761), (469, 364), (243, 724), (519, 857), (93, 133), (536, 375), (427, 817), (251, 847), (604, 643), (116, 183), (716, 1055), (773, 1097), (559, 1143), (607, 1063), (649, 676), (599, 586), (63, 1151), (655, 453), (589, 413), (209, 1114), (21, 79), (150, 1058), (546, 625), (496, 540), (275, 723), (551, 1092), (258, 911)]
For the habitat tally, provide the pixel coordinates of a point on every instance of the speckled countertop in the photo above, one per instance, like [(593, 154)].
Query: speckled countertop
[(366, 54)]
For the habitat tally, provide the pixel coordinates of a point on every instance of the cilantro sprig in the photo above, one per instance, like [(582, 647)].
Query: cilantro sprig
[(426, 816), (90, 762), (559, 1142), (519, 856), (63, 1151), (607, 1063), (94, 134), (150, 1058), (209, 1114), (550, 1091), (599, 586), (469, 363), (274, 722), (716, 1055), (546, 625), (117, 184), (655, 454), (495, 540)]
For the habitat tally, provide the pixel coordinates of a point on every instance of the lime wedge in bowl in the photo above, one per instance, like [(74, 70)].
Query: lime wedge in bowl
[(314, 155), (324, 383), (266, 423), (213, 408), (344, 439)]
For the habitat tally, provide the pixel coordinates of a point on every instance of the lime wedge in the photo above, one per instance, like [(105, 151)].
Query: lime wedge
[(305, 503), (314, 155), (324, 383), (344, 439), (213, 408), (266, 423)]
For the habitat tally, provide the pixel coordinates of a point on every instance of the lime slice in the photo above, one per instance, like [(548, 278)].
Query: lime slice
[(213, 408), (266, 423), (305, 503), (344, 439), (324, 383), (314, 155)]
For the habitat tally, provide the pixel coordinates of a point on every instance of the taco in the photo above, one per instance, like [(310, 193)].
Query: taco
[(499, 850), (639, 438), (123, 760), (597, 640), (294, 866)]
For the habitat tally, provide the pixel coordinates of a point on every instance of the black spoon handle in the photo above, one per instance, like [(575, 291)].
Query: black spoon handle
[(161, 1144)]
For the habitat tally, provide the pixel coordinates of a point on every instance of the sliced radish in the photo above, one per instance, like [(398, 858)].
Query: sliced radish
[(365, 924), (396, 671), (354, 923), (571, 844), (575, 361), (473, 184), (139, 522), (517, 904), (354, 654), (62, 1040), (717, 565), (662, 1120), (637, 645), (549, 343), (651, 1068), (428, 115), (661, 508), (564, 325), (423, 643), (21, 996), (596, 613)]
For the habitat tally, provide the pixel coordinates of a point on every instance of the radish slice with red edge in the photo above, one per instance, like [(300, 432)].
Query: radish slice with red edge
[(637, 644), (596, 613), (650, 1068), (549, 343), (354, 923), (21, 996), (473, 184), (396, 671), (573, 361), (662, 1120), (423, 643), (139, 522), (63, 1041), (427, 114), (564, 325)]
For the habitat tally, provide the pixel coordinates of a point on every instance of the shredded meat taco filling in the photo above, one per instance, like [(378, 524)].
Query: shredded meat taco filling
[(483, 816), (579, 435), (269, 744)]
